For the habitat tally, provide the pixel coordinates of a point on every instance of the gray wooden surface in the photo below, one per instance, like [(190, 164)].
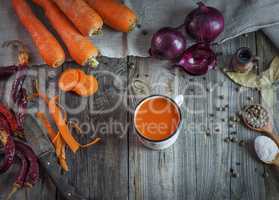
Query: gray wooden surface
[(201, 165)]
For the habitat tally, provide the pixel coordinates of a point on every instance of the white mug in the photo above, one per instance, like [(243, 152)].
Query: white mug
[(167, 142)]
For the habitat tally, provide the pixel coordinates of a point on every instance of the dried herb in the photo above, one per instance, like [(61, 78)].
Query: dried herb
[(264, 82)]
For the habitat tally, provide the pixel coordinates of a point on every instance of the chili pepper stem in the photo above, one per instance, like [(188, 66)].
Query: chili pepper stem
[(13, 191), (19, 135), (23, 54), (28, 185)]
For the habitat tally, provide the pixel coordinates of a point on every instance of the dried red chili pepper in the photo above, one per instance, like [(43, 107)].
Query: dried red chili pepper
[(32, 176), (9, 150), (5, 125), (16, 92), (20, 179), (22, 107), (23, 55), (23, 169), (6, 72), (10, 117), (23, 59)]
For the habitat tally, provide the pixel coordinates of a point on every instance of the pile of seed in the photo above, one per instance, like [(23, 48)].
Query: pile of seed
[(256, 116)]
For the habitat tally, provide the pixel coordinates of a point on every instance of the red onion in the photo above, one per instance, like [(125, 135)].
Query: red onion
[(198, 59), (167, 43), (204, 23)]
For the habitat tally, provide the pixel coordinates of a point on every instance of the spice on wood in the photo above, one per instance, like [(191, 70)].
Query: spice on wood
[(256, 116)]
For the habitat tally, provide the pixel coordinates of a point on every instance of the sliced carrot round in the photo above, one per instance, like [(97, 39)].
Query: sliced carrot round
[(81, 75), (69, 79), (87, 86)]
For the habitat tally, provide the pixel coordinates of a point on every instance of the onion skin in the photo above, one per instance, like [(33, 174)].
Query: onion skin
[(204, 23), (198, 59), (167, 43)]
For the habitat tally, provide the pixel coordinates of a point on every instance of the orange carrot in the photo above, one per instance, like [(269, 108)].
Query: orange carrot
[(68, 80), (87, 20), (81, 48), (87, 85), (115, 14), (49, 48)]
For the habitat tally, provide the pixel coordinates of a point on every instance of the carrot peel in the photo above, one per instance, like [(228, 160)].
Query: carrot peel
[(60, 151), (42, 117), (56, 139), (60, 122), (62, 126), (95, 141)]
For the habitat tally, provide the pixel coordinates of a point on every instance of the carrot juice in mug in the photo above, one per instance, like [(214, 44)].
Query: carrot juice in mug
[(157, 121)]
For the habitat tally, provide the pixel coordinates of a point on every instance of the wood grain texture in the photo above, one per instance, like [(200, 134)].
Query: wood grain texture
[(213, 156), (266, 51), (249, 183), (101, 171), (158, 174), (108, 161)]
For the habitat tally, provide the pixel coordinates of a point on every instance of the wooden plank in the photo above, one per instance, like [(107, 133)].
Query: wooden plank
[(101, 171), (108, 161), (78, 163), (213, 155), (266, 51), (247, 182), (167, 174)]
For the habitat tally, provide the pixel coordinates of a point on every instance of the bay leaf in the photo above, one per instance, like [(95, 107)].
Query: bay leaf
[(268, 95), (265, 81), (252, 80), (273, 72)]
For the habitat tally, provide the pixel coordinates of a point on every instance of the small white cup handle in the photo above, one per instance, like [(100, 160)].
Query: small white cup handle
[(179, 99)]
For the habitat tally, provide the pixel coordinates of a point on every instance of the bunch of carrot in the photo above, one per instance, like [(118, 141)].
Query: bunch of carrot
[(74, 21)]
